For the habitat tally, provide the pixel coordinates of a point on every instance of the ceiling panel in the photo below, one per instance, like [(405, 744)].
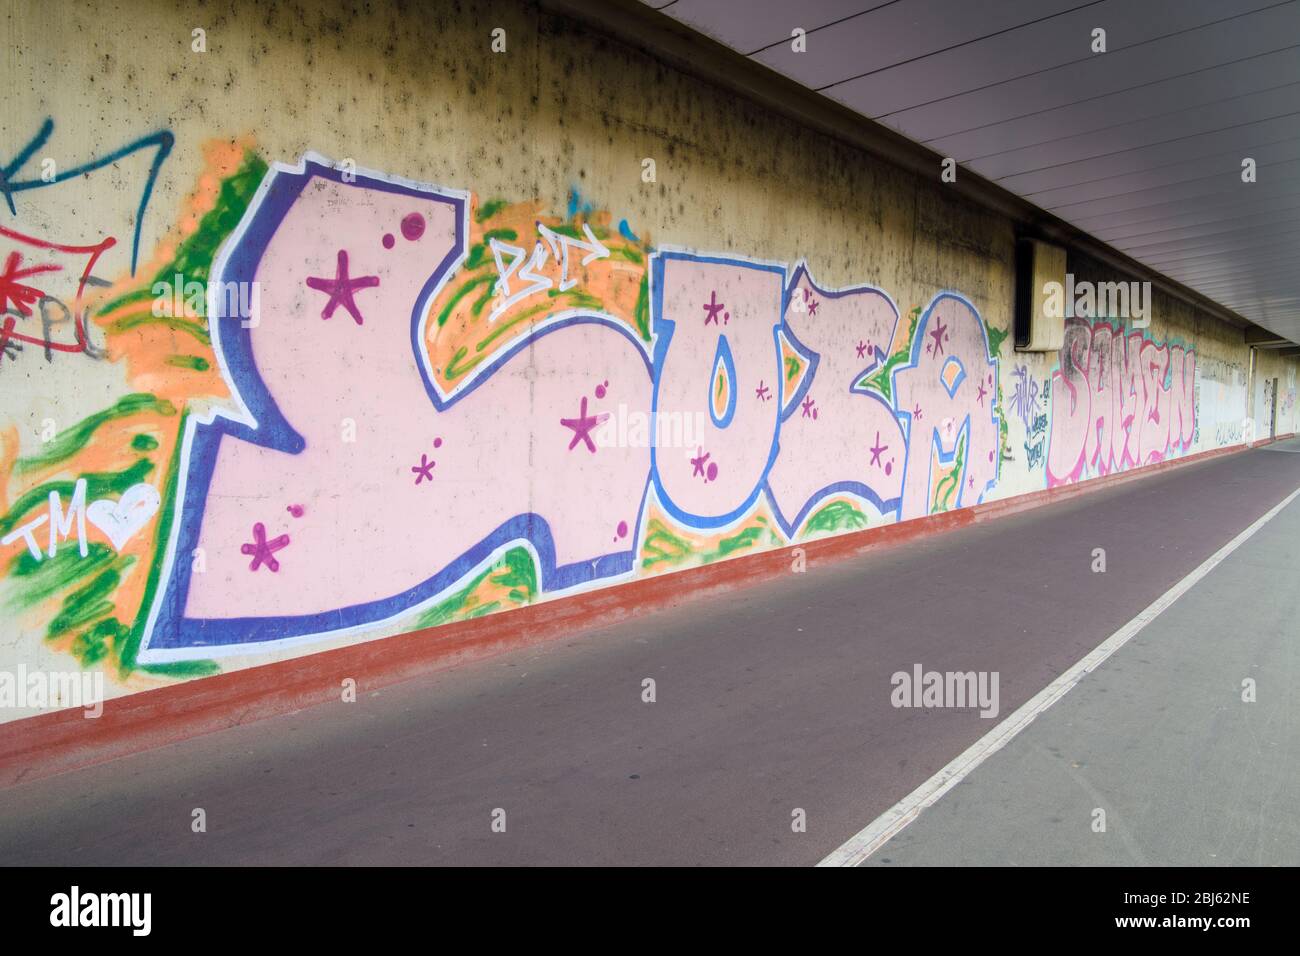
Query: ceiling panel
[(1140, 146), (1186, 132), (761, 22), (896, 33), (1223, 207), (1186, 91), (1212, 156), (967, 106), (1282, 176)]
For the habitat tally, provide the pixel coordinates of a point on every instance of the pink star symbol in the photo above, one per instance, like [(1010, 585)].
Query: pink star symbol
[(341, 288), (862, 349), (262, 550), (979, 395)]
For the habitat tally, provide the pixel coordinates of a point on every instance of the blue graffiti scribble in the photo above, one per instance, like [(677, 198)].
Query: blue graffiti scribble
[(163, 140), (576, 205), (1024, 400)]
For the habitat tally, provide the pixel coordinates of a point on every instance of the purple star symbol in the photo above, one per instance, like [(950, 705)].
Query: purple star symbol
[(862, 349), (979, 395), (424, 469), (712, 307), (812, 306), (263, 551), (699, 463), (762, 392), (341, 288), (808, 411), (917, 411), (877, 450), (582, 426), (938, 337)]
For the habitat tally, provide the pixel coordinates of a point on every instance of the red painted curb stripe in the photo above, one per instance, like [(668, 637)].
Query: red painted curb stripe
[(64, 740)]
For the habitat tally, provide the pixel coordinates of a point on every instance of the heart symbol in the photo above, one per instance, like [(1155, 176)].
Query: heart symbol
[(120, 520)]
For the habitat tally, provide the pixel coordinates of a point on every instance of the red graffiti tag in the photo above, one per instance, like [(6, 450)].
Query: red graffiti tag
[(23, 295)]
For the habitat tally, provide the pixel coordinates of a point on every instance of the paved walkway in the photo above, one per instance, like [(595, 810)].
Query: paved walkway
[(777, 698)]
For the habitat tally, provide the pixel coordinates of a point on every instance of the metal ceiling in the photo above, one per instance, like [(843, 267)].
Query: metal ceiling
[(1140, 146)]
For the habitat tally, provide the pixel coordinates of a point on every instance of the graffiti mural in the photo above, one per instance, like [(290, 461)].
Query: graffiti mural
[(1118, 401), (837, 435), (84, 483), (947, 393), (351, 401), (402, 463), (316, 463)]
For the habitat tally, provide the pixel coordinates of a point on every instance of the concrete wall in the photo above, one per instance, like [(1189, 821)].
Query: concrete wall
[(344, 323)]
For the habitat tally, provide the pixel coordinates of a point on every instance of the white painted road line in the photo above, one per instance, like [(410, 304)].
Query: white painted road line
[(894, 820)]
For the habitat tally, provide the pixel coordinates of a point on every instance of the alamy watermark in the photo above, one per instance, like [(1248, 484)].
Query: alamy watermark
[(181, 299), (624, 428), (41, 690), (133, 911), (948, 689), (1092, 300)]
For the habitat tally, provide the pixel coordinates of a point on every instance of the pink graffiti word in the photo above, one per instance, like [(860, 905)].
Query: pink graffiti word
[(1118, 401)]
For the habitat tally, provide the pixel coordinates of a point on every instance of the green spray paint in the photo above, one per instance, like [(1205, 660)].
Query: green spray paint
[(515, 571), (88, 603), (78, 436), (641, 314), (996, 338), (34, 581), (950, 481), (489, 209), (461, 291), (836, 516), (127, 646), (195, 363), (662, 545), (880, 379)]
